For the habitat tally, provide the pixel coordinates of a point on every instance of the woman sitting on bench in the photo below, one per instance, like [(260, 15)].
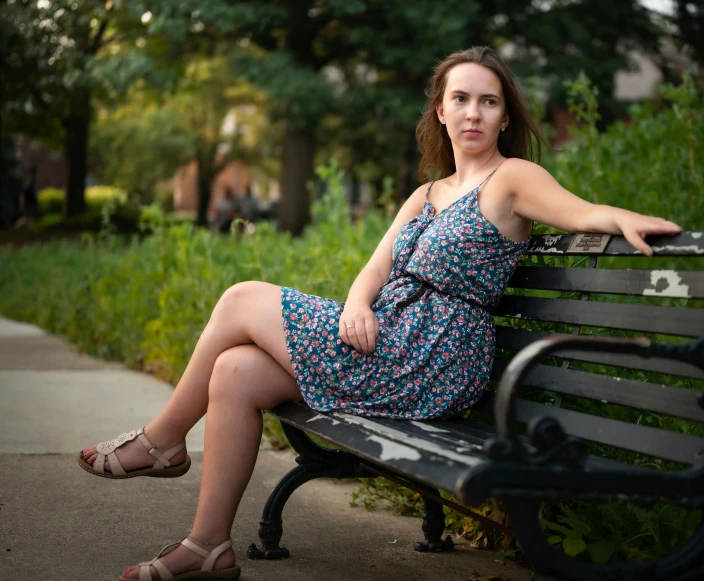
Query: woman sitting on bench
[(391, 349)]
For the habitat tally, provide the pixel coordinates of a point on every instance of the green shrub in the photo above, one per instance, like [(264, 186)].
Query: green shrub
[(51, 200)]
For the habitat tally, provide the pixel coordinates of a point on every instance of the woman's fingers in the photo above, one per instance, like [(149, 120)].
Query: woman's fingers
[(636, 235), (352, 339), (637, 231), (361, 333)]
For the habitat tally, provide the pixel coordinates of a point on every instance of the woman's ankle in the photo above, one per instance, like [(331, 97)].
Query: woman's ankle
[(161, 438)]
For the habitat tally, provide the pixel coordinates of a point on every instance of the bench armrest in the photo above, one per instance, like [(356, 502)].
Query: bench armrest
[(549, 440)]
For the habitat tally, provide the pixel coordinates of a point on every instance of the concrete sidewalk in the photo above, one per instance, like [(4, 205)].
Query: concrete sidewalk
[(59, 523)]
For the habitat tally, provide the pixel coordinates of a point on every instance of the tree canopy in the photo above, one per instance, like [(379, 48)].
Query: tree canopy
[(337, 75)]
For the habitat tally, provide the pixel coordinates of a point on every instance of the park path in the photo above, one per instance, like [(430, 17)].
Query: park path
[(57, 522)]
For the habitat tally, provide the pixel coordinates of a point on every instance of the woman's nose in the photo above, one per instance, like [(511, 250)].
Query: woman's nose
[(472, 110)]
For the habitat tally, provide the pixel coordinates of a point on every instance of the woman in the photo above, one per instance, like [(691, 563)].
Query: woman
[(415, 338)]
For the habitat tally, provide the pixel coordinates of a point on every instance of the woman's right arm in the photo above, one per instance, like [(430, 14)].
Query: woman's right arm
[(357, 313)]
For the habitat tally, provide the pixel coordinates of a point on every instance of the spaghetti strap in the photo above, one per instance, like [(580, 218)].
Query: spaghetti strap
[(486, 179), (430, 185)]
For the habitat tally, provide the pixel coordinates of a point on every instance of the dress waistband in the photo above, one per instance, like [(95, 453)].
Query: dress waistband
[(424, 287)]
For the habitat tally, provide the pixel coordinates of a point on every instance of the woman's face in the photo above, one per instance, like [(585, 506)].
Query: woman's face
[(473, 107)]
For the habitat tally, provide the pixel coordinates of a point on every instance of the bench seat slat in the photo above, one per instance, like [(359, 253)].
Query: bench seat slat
[(516, 339), (648, 319), (658, 398), (663, 444), (414, 457), (431, 473), (652, 283)]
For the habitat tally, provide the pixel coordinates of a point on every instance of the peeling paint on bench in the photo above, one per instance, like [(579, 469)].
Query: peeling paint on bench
[(320, 417), (674, 287), (429, 428), (418, 443), (394, 451), (668, 248), (546, 250)]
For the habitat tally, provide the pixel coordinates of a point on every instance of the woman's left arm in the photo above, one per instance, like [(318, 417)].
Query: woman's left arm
[(536, 195)]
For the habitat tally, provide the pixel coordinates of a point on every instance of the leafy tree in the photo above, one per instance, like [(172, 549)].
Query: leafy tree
[(353, 72), (58, 56), (689, 22), (545, 43), (366, 62), (149, 135)]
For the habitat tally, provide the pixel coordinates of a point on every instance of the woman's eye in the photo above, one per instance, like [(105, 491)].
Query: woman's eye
[(490, 101), (458, 97)]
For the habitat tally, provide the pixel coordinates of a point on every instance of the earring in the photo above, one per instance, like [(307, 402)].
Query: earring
[(503, 129), (442, 121)]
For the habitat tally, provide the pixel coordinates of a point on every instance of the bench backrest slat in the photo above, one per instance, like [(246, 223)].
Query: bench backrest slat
[(657, 283), (636, 438), (648, 319), (670, 401), (517, 339), (685, 244), (610, 301)]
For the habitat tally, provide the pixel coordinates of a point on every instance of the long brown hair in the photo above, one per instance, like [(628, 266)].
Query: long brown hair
[(522, 137)]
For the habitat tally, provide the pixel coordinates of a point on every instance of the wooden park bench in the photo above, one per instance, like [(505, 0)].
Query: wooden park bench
[(540, 448)]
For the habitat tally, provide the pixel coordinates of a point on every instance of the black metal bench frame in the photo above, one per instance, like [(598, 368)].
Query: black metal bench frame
[(475, 461)]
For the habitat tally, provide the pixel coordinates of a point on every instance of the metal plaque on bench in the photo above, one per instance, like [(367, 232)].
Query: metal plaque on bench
[(589, 242)]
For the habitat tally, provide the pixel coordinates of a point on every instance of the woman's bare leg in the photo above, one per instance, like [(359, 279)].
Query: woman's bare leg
[(248, 312), (245, 380)]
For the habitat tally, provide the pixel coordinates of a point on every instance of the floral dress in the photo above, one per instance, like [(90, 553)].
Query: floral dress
[(435, 346)]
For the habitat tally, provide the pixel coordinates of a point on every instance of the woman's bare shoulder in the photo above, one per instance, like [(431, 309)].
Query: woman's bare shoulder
[(517, 165), (515, 173)]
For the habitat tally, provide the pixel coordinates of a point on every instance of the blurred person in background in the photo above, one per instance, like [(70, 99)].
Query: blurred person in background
[(29, 201), (225, 210)]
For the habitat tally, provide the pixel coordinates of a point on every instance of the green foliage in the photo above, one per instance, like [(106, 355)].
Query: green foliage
[(145, 300), (149, 136), (106, 205), (51, 52), (649, 165)]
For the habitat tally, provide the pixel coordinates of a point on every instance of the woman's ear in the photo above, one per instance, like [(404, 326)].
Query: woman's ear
[(439, 111), (505, 121)]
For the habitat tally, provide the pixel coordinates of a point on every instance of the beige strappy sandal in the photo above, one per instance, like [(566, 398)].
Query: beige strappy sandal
[(162, 468), (206, 571)]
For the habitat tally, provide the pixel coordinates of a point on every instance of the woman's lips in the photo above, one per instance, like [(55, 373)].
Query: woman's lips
[(473, 131)]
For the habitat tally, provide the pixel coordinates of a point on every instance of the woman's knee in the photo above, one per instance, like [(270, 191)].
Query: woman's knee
[(236, 297), (250, 376), (230, 369)]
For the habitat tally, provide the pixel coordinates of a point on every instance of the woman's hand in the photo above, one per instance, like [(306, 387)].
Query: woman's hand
[(359, 327), (635, 227)]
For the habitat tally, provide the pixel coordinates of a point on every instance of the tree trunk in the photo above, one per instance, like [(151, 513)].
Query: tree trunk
[(297, 170), (205, 180), (76, 127)]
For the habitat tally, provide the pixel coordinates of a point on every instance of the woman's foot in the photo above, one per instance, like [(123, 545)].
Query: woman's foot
[(182, 560), (133, 454)]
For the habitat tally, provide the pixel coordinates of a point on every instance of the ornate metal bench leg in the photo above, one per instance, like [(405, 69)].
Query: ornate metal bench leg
[(314, 462), (271, 526), (433, 527)]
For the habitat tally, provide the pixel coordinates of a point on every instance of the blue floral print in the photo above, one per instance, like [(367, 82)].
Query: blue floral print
[(435, 348)]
